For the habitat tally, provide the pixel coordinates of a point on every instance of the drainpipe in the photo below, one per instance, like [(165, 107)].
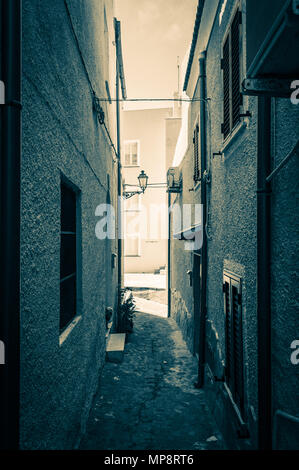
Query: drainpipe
[(10, 223), (119, 78), (203, 258), (264, 273), (119, 240), (169, 255)]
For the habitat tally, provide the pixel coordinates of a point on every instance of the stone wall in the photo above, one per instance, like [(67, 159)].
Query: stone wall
[(231, 231), (182, 316), (62, 136), (285, 228)]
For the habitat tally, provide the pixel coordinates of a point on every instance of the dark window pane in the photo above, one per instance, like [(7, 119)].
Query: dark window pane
[(68, 209), (67, 301), (67, 255)]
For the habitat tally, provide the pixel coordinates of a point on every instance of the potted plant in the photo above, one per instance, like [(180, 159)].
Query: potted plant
[(127, 312)]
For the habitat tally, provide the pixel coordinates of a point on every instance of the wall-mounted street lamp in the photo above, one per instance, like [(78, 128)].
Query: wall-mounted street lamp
[(142, 179)]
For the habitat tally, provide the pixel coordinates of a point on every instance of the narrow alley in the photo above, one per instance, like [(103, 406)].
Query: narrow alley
[(149, 400), (149, 227)]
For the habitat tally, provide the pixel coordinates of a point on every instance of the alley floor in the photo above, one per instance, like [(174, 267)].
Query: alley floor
[(148, 401)]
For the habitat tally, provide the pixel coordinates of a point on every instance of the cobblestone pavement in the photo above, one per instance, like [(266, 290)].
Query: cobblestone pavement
[(157, 295), (148, 401)]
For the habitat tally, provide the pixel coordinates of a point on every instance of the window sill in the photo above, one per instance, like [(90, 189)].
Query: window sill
[(131, 166), (65, 334), (235, 134)]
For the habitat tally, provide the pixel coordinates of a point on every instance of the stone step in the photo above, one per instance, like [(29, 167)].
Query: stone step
[(115, 347)]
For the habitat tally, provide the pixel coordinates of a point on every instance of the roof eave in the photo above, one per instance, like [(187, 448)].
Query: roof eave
[(199, 11)]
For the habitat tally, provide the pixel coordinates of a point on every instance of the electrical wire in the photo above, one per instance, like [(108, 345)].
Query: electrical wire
[(92, 88), (193, 100)]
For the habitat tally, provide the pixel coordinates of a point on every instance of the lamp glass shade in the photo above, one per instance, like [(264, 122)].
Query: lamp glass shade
[(143, 180)]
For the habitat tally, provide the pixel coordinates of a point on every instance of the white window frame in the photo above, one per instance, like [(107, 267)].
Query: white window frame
[(137, 210), (138, 153), (138, 238)]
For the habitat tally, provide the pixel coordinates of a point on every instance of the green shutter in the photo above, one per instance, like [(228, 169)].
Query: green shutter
[(234, 362), (196, 175), (230, 65), (226, 88), (235, 69)]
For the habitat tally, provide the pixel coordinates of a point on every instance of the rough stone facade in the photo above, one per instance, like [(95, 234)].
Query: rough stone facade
[(285, 227), (231, 244), (62, 136), (181, 314)]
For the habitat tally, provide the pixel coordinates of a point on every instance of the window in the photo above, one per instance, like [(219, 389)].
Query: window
[(196, 175), (234, 338), (230, 64), (132, 226), (131, 153), (132, 245), (68, 255)]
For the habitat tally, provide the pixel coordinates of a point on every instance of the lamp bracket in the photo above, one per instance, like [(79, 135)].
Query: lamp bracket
[(128, 194)]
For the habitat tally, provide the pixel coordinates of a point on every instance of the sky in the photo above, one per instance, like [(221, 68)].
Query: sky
[(154, 33)]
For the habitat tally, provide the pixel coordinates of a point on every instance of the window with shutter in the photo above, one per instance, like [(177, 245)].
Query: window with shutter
[(230, 64), (226, 89), (68, 262), (196, 175), (234, 368)]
